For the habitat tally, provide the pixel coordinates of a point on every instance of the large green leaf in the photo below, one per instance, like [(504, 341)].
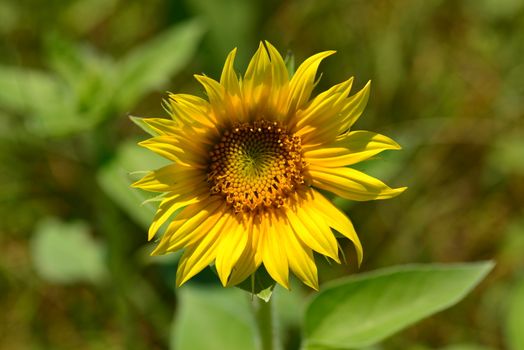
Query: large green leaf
[(151, 65), (213, 319), (363, 310), (515, 318), (66, 253)]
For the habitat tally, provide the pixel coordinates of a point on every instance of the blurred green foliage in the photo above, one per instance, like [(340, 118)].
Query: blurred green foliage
[(446, 83)]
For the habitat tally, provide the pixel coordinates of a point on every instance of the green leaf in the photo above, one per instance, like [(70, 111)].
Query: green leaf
[(151, 65), (27, 90), (46, 101), (74, 62), (515, 318), (213, 319), (363, 310), (66, 253), (88, 75), (116, 177)]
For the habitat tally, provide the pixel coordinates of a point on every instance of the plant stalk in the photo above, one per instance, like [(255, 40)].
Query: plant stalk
[(266, 322)]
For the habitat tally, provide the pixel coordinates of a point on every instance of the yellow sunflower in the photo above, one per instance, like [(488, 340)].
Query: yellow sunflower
[(247, 163)]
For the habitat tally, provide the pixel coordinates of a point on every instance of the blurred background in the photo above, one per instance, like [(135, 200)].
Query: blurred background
[(447, 84)]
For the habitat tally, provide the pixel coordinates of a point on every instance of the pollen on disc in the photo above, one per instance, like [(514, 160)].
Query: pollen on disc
[(255, 165)]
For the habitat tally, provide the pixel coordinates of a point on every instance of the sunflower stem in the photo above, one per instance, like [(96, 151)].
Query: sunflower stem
[(266, 324)]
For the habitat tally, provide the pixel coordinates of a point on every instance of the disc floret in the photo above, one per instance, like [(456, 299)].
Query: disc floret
[(256, 165)]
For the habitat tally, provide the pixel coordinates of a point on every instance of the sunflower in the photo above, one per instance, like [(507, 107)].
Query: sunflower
[(247, 165)]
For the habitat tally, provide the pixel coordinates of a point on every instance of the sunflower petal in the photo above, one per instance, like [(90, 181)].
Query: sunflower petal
[(215, 93), (232, 245), (156, 126), (338, 113), (198, 256), (300, 257), (191, 110), (188, 229), (267, 68), (274, 255), (170, 147), (229, 79), (303, 81), (248, 262), (355, 147), (337, 220), (354, 107), (351, 184), (170, 205), (171, 178), (279, 73), (314, 232), (245, 267), (324, 107)]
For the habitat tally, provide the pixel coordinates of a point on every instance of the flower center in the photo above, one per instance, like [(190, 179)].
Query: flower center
[(256, 165)]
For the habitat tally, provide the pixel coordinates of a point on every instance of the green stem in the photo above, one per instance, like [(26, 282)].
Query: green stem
[(266, 324)]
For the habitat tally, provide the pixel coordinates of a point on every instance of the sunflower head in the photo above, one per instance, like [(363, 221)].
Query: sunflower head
[(247, 165)]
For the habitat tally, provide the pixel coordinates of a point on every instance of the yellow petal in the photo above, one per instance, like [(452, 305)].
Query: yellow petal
[(259, 226), (273, 253), (215, 93), (324, 107), (245, 267), (198, 256), (229, 79), (300, 257), (257, 79), (172, 178), (157, 126), (186, 230), (351, 184), (170, 205), (179, 151), (233, 241), (248, 263), (303, 81), (191, 110), (354, 107), (258, 69), (337, 220), (264, 86), (330, 114), (355, 147), (312, 230), (279, 73), (266, 68)]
